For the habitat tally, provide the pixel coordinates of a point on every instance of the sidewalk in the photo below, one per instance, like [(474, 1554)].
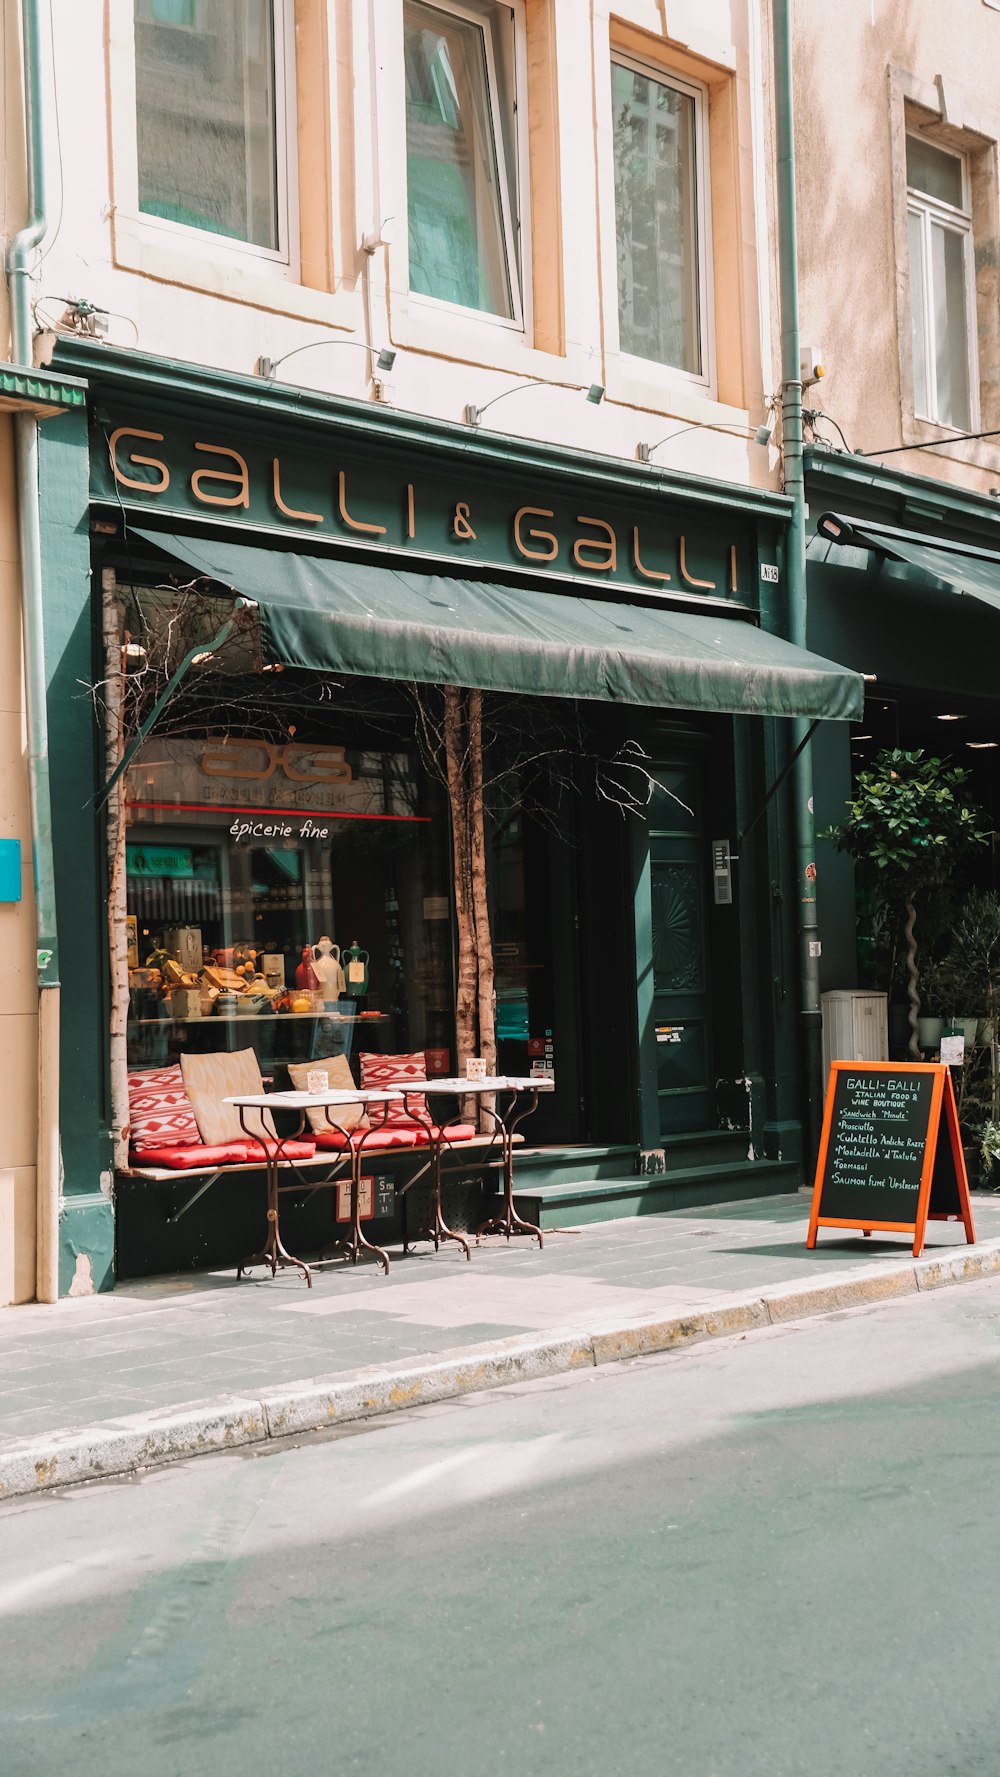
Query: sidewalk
[(164, 1368)]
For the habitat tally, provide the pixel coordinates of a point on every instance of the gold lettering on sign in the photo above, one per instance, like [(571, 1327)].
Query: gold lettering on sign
[(241, 477), (290, 511), (460, 523), (354, 524), (411, 527), (647, 573), (607, 551), (147, 487), (690, 578), (235, 759), (218, 761), (732, 568), (542, 536), (329, 765)]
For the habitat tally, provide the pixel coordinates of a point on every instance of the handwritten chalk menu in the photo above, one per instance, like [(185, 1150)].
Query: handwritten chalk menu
[(885, 1161), (878, 1138)]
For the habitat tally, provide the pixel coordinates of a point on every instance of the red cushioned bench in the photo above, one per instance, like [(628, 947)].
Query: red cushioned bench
[(165, 1143)]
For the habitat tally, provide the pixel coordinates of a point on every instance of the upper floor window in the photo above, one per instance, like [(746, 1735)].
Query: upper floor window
[(661, 217), (942, 284), (212, 131), (461, 155)]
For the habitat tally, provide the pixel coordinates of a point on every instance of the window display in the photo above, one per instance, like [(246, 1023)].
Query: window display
[(279, 894)]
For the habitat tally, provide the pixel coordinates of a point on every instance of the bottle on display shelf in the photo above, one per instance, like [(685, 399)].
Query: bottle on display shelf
[(355, 961), (305, 975)]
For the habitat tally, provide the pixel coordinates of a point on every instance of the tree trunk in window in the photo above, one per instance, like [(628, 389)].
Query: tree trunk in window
[(480, 905), (456, 749), (114, 747)]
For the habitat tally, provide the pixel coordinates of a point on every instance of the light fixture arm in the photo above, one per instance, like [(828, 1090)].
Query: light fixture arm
[(760, 434), (473, 414), (530, 382), (384, 357), (645, 451)]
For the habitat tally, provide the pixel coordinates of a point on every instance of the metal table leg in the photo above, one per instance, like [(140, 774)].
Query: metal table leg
[(357, 1242), (436, 1228), (273, 1252), (509, 1222)]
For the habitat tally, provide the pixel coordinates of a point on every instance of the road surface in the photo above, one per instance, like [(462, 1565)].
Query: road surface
[(776, 1555)]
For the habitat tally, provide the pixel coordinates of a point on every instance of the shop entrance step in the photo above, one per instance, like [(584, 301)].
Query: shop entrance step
[(569, 1203)]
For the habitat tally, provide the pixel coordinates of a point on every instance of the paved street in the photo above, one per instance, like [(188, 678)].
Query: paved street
[(173, 1341), (770, 1556)]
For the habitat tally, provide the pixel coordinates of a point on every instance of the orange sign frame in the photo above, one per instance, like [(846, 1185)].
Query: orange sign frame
[(942, 1099)]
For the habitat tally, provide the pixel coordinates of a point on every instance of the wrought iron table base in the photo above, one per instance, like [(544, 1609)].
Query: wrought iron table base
[(436, 1228), (508, 1222), (273, 1252), (357, 1241)]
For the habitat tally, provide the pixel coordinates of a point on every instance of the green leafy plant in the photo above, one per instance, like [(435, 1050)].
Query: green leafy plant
[(907, 825), (967, 976), (989, 1145)]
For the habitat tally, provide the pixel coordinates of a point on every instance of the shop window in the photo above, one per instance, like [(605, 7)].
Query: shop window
[(942, 280), (660, 167), (213, 135), (242, 856), (461, 156)]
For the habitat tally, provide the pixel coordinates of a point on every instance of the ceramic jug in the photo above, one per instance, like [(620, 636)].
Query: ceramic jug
[(356, 970), (326, 962)]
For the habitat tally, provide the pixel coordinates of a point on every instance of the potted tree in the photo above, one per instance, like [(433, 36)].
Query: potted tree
[(908, 824)]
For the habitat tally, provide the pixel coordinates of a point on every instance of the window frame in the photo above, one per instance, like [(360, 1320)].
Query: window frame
[(514, 228), (204, 241), (931, 211), (704, 379)]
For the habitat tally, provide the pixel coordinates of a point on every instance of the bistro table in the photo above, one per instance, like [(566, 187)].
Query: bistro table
[(505, 1124), (274, 1252)]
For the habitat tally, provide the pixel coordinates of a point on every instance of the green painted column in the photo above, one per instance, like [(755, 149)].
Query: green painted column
[(87, 1222)]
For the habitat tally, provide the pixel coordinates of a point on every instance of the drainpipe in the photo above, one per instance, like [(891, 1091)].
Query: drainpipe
[(791, 447), (20, 258)]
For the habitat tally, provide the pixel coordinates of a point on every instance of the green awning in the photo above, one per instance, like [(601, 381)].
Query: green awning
[(385, 622), (964, 571)]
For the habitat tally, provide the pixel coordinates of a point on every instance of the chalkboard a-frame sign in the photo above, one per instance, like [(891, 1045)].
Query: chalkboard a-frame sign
[(884, 1159)]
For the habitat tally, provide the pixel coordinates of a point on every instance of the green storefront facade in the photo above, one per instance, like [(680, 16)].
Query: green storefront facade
[(650, 960)]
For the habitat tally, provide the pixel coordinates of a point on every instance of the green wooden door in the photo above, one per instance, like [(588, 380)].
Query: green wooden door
[(679, 870)]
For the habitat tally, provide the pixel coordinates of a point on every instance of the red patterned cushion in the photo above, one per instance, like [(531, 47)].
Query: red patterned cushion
[(290, 1150), (397, 1137), (160, 1114), (458, 1132), (180, 1157), (380, 1071)]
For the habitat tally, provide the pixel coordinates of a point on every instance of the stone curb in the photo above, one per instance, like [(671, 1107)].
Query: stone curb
[(148, 1440)]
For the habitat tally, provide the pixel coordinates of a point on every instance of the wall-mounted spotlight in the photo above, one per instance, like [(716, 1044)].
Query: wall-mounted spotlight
[(473, 414), (759, 434), (384, 357)]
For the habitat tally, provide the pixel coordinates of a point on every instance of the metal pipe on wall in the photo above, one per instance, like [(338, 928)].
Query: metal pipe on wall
[(19, 260), (794, 478)]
